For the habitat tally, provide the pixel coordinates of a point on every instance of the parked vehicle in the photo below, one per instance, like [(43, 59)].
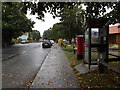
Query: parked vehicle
[(46, 44), (52, 41), (24, 41)]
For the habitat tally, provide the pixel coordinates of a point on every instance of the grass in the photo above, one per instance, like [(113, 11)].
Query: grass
[(67, 47), (115, 64), (73, 59), (91, 79), (118, 53), (94, 55), (113, 46), (110, 56)]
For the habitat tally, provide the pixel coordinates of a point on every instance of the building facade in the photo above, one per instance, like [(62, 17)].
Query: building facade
[(114, 35)]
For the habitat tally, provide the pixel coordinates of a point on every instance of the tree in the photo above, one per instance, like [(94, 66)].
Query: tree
[(93, 9), (98, 10), (45, 34), (34, 35), (14, 18), (70, 25), (56, 31), (72, 20), (14, 22), (41, 7)]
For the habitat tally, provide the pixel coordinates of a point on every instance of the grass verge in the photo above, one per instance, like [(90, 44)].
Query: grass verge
[(67, 47), (72, 58), (91, 79), (115, 64)]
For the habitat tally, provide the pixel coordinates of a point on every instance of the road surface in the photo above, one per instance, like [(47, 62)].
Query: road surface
[(26, 61)]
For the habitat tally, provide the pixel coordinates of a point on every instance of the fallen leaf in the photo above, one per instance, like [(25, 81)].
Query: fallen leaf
[(50, 82), (42, 83), (10, 75), (64, 79)]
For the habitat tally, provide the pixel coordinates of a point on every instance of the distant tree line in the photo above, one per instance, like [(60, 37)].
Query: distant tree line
[(34, 35), (70, 25)]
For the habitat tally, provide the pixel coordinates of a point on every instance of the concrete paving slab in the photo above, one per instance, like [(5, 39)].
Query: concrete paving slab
[(55, 72), (83, 68)]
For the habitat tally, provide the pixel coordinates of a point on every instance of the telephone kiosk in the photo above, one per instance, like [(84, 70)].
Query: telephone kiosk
[(95, 41)]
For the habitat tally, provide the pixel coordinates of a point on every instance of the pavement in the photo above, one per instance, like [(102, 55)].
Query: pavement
[(55, 72)]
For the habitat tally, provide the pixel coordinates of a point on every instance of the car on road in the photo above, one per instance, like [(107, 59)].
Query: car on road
[(46, 44), (52, 41), (24, 41)]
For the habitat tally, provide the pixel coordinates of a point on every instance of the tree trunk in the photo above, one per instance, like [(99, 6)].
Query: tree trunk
[(6, 41)]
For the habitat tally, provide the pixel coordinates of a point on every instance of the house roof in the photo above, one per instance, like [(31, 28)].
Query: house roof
[(114, 30)]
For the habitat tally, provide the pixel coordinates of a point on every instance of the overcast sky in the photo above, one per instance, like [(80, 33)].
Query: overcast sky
[(40, 25)]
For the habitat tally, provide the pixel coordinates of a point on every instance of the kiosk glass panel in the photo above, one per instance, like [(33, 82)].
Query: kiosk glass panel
[(86, 47), (94, 54), (95, 36), (87, 36), (86, 54)]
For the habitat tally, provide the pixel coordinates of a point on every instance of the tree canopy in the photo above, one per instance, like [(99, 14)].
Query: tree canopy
[(99, 9), (14, 22), (72, 20), (56, 31), (41, 7), (34, 35), (45, 34), (93, 9)]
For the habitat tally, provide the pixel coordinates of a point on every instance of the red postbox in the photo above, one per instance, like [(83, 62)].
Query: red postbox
[(79, 47)]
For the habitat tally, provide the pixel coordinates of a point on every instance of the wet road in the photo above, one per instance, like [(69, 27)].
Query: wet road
[(21, 68)]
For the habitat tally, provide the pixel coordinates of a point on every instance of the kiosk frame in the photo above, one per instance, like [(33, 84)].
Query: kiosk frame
[(96, 41)]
